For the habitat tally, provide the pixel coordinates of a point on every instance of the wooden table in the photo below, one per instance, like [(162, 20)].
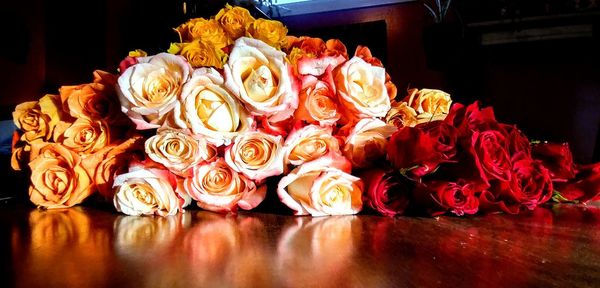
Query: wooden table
[(94, 247)]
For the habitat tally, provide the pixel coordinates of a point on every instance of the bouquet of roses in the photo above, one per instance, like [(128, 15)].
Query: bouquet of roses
[(238, 101)]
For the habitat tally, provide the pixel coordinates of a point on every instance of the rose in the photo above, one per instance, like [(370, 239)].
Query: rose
[(208, 31), (38, 119), (271, 32), (199, 54), (322, 187), (318, 104), (490, 155), (516, 141), (234, 20), (258, 75), (401, 115), (217, 187), (86, 136), (93, 101), (367, 142), (58, 179), (430, 104), (384, 192), (209, 110), (365, 53), (557, 158), (584, 187), (255, 154), (533, 185), (471, 118), (177, 150), (146, 191), (441, 196), (309, 143), (149, 89), (312, 56), (361, 89)]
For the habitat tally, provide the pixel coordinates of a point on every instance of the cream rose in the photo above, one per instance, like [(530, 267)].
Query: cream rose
[(209, 110), (58, 180), (146, 191), (322, 187), (309, 143), (257, 155), (367, 141), (258, 75), (149, 89), (361, 89), (430, 104), (217, 187), (177, 150)]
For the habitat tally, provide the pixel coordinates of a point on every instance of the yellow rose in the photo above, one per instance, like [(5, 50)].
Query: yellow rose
[(200, 54), (86, 136), (208, 31), (137, 53), (148, 90), (361, 90), (58, 179), (258, 75), (322, 187), (401, 115), (367, 142), (430, 104), (146, 191), (234, 20), (217, 187), (38, 119), (178, 151), (208, 109), (309, 143), (271, 32), (257, 155)]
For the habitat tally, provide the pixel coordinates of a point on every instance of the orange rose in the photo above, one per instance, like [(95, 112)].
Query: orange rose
[(200, 54), (234, 20), (318, 104), (430, 104), (271, 32), (401, 115), (86, 136), (38, 119), (309, 143), (93, 101), (208, 31), (58, 180)]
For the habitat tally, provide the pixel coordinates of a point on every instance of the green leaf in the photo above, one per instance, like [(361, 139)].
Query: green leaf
[(557, 197)]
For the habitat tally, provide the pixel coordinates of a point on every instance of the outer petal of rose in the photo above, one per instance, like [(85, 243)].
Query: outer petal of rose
[(285, 197), (140, 123), (318, 66), (251, 200)]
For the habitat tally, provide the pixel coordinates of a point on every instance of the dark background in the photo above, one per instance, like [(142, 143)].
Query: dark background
[(550, 88)]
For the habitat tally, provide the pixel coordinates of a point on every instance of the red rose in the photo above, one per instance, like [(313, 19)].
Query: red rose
[(491, 158), (533, 184), (557, 158), (384, 192), (516, 141), (471, 118), (585, 186), (125, 63), (440, 197)]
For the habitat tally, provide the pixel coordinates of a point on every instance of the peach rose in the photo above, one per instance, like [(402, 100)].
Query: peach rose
[(209, 110), (93, 101), (177, 150), (199, 54), (58, 180), (234, 20), (207, 30), (146, 191), (149, 89), (318, 104), (430, 104), (257, 155), (271, 32), (86, 136), (365, 53), (258, 75), (322, 187), (217, 187), (309, 143), (367, 141), (401, 115), (37, 119), (361, 89)]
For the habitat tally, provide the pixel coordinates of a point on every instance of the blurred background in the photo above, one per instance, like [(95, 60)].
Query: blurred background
[(536, 61)]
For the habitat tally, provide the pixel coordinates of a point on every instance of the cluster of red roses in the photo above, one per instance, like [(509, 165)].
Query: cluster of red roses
[(470, 162)]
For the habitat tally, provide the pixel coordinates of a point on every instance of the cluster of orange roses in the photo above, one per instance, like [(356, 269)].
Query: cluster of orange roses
[(236, 102)]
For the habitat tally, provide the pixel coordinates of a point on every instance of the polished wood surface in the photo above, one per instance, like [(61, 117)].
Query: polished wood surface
[(90, 247)]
